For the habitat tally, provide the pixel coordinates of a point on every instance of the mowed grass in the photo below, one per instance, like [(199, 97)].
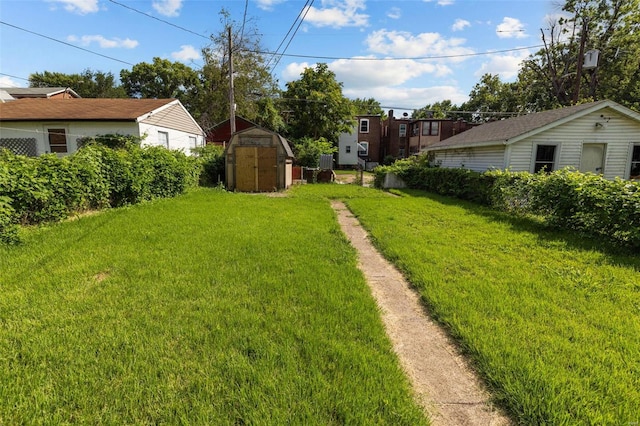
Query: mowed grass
[(211, 308), (551, 321)]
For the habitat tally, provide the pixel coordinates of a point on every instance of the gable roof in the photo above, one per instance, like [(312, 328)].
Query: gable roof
[(283, 141), (508, 131), (80, 109), (38, 92)]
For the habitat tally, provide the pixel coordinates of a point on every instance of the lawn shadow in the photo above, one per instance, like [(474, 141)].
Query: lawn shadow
[(547, 235)]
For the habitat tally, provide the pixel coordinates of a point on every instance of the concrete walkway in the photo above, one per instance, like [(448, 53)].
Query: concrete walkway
[(444, 384)]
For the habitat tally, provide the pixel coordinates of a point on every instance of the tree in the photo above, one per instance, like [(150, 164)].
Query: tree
[(442, 109), (88, 84), (308, 150), (367, 107), (554, 75), (162, 79), (254, 86), (318, 108), (491, 99)]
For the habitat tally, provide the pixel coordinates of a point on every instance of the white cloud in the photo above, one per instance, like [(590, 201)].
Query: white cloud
[(460, 24), (506, 66), (337, 14), (268, 4), (404, 44), (511, 28), (6, 81), (81, 7), (167, 7), (186, 53), (394, 13), (294, 69), (401, 98), (441, 2), (103, 42)]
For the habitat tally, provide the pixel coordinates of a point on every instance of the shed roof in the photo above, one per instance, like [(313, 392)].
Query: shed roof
[(283, 141), (80, 109), (512, 129)]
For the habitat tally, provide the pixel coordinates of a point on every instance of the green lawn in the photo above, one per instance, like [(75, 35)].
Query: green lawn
[(551, 321), (211, 308)]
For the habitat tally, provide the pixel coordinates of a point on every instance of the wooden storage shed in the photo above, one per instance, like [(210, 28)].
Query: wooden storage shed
[(258, 160)]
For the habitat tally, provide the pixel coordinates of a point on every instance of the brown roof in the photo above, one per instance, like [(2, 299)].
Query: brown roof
[(79, 109), (504, 130)]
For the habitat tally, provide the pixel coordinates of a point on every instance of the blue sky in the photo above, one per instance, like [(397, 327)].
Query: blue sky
[(403, 53)]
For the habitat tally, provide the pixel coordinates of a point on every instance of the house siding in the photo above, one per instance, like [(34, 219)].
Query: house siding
[(618, 134), (348, 158), (173, 117), (476, 159)]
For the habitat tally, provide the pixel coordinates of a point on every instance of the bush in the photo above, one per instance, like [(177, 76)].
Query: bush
[(48, 188), (308, 151), (210, 160), (565, 199)]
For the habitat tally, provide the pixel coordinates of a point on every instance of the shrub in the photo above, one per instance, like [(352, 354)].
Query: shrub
[(308, 151), (210, 161)]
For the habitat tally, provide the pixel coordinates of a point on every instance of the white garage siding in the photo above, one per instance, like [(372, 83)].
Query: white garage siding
[(618, 134), (476, 159)]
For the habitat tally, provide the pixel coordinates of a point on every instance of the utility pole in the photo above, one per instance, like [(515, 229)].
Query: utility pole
[(232, 101)]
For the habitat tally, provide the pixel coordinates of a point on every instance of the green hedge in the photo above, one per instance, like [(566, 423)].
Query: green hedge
[(565, 199), (47, 188)]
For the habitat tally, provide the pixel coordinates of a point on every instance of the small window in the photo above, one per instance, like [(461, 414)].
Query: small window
[(364, 125), (163, 139), (57, 140), (545, 156), (347, 149), (635, 163), (401, 152), (403, 130), (430, 128), (193, 142), (363, 148)]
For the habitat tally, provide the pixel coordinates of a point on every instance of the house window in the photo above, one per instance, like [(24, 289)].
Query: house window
[(545, 155), (163, 139), (347, 149), (403, 130), (363, 148), (364, 125), (401, 152), (57, 140), (430, 128), (193, 142), (635, 163)]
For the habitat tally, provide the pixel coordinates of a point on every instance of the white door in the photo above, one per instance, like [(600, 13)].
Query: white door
[(592, 158)]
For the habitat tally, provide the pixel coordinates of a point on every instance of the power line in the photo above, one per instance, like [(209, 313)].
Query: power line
[(288, 32), (419, 58), (294, 34), (160, 20), (65, 43)]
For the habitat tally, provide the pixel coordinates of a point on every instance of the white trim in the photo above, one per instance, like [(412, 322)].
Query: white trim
[(363, 120), (363, 148), (534, 154)]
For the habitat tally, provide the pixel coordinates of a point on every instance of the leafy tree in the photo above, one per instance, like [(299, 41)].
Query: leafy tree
[(308, 150), (367, 106), (553, 76), (88, 84), (254, 85), (162, 79), (490, 99), (442, 109), (318, 108)]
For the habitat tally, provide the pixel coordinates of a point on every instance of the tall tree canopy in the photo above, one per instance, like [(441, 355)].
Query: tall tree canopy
[(162, 79), (490, 99), (254, 85), (554, 76), (316, 104), (88, 84), (368, 106), (442, 109)]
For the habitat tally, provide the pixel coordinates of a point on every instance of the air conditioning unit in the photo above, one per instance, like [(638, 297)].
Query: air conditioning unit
[(591, 59)]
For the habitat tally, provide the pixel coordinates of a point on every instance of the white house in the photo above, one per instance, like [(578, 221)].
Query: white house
[(348, 149), (39, 126), (600, 137)]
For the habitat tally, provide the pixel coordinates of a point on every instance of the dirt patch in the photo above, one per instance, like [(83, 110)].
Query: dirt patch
[(444, 384)]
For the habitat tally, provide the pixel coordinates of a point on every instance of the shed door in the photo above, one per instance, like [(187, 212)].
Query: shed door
[(592, 158), (256, 168)]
